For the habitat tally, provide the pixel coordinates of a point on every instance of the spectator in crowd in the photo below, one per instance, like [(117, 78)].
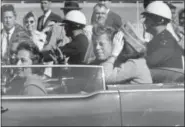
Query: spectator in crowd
[(28, 80), (112, 19), (69, 6), (47, 16), (173, 26), (100, 13), (10, 33), (29, 22), (180, 28), (182, 18), (130, 67), (163, 50)]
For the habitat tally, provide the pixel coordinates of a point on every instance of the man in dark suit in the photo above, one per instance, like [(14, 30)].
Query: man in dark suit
[(11, 34), (112, 18), (47, 16)]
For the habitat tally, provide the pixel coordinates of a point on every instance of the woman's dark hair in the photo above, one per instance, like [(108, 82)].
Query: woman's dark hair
[(28, 15), (35, 54)]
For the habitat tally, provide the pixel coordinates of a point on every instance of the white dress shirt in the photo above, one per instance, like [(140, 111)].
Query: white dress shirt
[(46, 15), (4, 40)]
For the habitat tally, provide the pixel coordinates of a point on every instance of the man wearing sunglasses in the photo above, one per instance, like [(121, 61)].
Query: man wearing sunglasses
[(10, 33)]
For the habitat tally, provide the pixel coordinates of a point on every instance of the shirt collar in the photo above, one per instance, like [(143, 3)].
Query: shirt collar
[(108, 11), (47, 13), (10, 31)]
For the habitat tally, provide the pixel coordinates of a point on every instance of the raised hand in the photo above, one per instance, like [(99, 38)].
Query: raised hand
[(118, 43)]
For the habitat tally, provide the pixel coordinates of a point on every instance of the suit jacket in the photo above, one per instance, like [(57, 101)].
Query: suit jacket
[(51, 17), (18, 36)]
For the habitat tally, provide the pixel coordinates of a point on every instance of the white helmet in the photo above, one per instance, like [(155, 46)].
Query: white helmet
[(159, 8), (76, 16)]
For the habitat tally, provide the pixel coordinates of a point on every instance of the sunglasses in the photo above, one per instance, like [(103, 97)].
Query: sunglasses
[(31, 21)]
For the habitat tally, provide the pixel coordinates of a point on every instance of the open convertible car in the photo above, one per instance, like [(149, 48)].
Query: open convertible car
[(78, 96)]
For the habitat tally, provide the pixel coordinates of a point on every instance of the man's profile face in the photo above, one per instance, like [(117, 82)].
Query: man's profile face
[(9, 20), (102, 46), (100, 15), (45, 5), (148, 24)]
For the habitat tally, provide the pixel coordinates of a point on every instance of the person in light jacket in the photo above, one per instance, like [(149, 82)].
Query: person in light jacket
[(121, 62)]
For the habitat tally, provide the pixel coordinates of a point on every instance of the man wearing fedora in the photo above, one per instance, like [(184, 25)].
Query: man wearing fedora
[(47, 16), (70, 5)]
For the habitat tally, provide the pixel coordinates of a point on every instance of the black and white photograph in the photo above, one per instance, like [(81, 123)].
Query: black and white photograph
[(92, 63)]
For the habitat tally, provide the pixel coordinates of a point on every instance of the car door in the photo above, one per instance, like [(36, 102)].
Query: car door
[(98, 109), (147, 106), (78, 98)]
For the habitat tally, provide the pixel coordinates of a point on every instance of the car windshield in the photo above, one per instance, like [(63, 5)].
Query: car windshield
[(57, 79)]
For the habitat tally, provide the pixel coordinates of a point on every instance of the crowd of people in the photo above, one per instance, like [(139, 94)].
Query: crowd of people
[(53, 39)]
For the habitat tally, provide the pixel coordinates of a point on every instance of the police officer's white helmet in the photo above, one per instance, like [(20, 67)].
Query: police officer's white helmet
[(159, 8), (76, 16)]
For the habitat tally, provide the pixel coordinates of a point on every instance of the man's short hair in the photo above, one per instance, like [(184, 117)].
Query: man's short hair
[(100, 5), (99, 30), (8, 7)]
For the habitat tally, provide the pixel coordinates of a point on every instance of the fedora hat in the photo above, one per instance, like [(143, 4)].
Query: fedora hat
[(71, 5)]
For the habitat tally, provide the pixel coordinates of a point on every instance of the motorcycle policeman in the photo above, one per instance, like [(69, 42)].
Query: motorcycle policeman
[(163, 50), (75, 22)]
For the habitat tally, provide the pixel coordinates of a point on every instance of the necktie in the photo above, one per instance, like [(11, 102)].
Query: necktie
[(8, 46), (43, 21)]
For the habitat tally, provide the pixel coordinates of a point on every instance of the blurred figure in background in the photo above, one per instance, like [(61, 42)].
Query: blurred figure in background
[(100, 14), (182, 18), (112, 19), (180, 29), (11, 33), (163, 50), (29, 22), (47, 16), (70, 5), (120, 59)]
